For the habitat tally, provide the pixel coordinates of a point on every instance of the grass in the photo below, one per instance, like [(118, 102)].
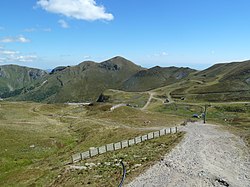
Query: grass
[(37, 140), (233, 117), (137, 99), (107, 171)]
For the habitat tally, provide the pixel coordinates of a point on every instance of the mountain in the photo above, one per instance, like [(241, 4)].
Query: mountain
[(13, 77), (88, 80), (220, 82), (155, 77), (84, 82)]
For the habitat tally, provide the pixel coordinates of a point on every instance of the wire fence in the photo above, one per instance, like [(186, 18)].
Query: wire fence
[(120, 145)]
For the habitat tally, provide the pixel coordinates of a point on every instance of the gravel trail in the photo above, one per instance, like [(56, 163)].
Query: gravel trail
[(207, 156)]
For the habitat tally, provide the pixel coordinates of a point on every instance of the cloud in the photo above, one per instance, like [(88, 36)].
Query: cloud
[(30, 30), (63, 24), (87, 57), (26, 58), (20, 39), (9, 52), (161, 54), (78, 9), (1, 28), (11, 56), (37, 30), (47, 29)]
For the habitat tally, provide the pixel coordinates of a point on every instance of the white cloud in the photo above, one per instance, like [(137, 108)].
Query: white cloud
[(87, 57), (30, 30), (9, 52), (47, 29), (11, 56), (20, 39), (63, 24), (78, 9), (26, 58), (160, 54), (164, 53), (37, 29)]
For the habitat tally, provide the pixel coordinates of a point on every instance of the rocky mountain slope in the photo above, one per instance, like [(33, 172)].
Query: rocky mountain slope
[(14, 77), (88, 80)]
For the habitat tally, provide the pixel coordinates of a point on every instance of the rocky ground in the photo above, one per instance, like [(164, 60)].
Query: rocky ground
[(208, 156)]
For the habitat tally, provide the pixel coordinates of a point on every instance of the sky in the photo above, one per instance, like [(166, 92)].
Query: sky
[(191, 33)]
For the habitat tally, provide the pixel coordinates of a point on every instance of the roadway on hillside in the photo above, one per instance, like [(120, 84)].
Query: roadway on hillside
[(207, 156), (152, 96)]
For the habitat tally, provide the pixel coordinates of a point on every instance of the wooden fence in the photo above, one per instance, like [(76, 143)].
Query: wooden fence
[(120, 145)]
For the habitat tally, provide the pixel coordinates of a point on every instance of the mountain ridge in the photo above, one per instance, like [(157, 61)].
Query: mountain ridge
[(88, 80)]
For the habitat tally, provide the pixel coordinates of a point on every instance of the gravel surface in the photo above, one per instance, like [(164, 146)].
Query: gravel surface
[(207, 156)]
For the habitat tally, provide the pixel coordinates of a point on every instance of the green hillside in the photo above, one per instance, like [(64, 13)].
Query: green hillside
[(13, 77), (155, 77), (221, 82), (84, 82), (88, 80)]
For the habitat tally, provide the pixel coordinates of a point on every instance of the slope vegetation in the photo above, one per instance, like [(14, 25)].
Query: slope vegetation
[(155, 77), (84, 82), (221, 82), (13, 77)]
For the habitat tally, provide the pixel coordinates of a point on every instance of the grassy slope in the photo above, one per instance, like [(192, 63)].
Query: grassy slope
[(138, 99), (38, 139), (221, 82), (14, 77), (84, 82), (155, 77)]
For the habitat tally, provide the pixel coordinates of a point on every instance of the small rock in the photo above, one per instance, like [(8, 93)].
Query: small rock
[(32, 146), (107, 163), (90, 165), (79, 167), (137, 165), (117, 164)]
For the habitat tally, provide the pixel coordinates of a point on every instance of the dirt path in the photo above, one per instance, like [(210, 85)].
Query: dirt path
[(207, 156), (149, 100)]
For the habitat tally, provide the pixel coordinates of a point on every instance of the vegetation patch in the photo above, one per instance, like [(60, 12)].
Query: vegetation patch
[(106, 170)]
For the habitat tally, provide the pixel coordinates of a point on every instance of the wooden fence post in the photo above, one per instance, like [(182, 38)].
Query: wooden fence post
[(175, 129), (170, 130)]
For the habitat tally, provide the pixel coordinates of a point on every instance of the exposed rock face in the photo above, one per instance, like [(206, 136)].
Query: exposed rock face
[(2, 73), (109, 66)]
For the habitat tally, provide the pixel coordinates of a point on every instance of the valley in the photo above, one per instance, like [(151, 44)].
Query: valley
[(40, 131)]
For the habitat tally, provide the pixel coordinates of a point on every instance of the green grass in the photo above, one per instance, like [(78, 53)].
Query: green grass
[(138, 99), (107, 170), (37, 140), (233, 117)]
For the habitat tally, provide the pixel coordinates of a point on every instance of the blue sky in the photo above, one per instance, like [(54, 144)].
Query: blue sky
[(194, 33)]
